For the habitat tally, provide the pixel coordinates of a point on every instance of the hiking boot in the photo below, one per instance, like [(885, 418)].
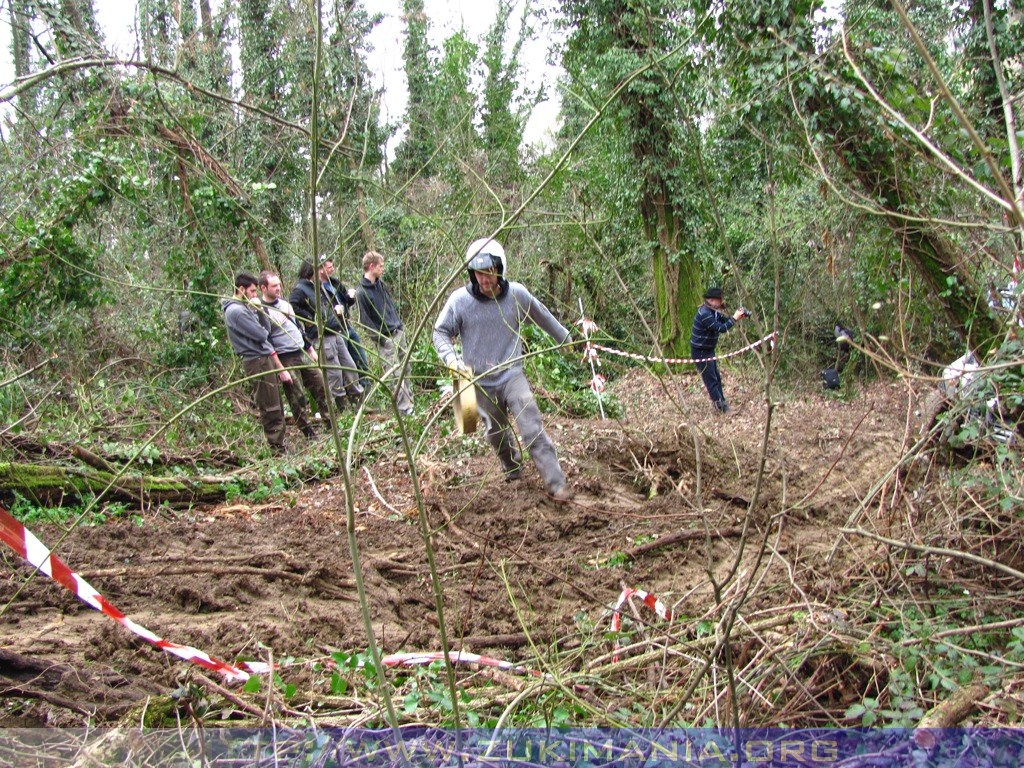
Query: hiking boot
[(722, 406), (309, 432), (513, 474), (564, 494)]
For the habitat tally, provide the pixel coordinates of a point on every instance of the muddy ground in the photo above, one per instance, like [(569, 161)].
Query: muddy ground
[(275, 581)]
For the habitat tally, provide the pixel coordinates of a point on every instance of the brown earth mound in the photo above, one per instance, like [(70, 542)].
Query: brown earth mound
[(523, 578)]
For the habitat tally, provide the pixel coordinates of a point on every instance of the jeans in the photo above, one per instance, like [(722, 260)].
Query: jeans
[(709, 373), (358, 352)]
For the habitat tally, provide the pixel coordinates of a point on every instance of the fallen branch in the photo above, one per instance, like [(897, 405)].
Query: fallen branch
[(949, 713), (51, 484), (212, 570), (515, 640), (937, 551), (676, 538)]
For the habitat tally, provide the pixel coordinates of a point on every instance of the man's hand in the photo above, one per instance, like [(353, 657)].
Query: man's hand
[(312, 354), (285, 377)]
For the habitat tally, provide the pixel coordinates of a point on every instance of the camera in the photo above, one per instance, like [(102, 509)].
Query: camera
[(744, 312)]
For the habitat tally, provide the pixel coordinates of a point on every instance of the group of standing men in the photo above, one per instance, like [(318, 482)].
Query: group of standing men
[(278, 341), (485, 317)]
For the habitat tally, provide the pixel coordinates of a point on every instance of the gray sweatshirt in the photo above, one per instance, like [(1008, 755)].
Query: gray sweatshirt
[(284, 329), (490, 330), (248, 335)]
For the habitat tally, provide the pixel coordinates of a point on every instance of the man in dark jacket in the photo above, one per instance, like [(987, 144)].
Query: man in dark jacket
[(342, 374), (708, 323), (378, 314), (353, 341), (249, 334)]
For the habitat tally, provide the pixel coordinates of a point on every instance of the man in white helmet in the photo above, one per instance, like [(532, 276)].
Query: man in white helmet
[(487, 315)]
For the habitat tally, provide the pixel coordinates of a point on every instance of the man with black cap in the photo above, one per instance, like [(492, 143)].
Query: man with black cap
[(708, 323)]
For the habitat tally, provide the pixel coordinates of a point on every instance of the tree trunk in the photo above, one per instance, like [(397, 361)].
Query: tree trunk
[(934, 258), (21, 20), (51, 484)]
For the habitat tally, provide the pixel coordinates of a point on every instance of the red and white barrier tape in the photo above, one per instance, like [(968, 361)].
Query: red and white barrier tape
[(23, 541), (591, 352), (652, 602), (456, 657), (597, 381), (32, 550)]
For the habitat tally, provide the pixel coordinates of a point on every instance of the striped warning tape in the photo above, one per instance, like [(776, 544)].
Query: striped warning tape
[(35, 553), (652, 602), (592, 349), (456, 657), (23, 541)]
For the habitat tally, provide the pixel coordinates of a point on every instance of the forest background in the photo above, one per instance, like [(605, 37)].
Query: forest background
[(856, 165)]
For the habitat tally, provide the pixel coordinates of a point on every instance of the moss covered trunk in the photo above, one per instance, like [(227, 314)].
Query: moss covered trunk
[(50, 484)]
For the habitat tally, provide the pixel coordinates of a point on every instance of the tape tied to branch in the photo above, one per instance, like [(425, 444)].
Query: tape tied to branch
[(660, 609)]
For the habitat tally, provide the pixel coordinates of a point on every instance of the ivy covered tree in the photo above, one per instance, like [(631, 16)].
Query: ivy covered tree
[(505, 107), (632, 52), (874, 102)]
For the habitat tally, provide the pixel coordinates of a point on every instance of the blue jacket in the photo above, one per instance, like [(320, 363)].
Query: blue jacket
[(708, 323)]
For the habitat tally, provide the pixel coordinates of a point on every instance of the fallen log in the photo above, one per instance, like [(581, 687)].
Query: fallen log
[(50, 484), (680, 536), (951, 712)]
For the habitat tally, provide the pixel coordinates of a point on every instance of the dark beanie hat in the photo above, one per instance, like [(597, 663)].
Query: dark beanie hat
[(713, 293)]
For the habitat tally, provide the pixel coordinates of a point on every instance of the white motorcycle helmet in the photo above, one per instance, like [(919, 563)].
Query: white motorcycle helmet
[(484, 255)]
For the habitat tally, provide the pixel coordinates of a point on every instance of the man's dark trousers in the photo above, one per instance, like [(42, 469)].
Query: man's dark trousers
[(709, 373)]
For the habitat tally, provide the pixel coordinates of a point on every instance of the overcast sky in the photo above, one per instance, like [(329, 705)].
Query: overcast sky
[(446, 16)]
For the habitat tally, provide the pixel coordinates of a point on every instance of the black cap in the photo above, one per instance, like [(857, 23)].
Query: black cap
[(713, 292)]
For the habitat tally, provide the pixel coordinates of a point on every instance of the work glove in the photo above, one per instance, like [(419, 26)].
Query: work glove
[(460, 368)]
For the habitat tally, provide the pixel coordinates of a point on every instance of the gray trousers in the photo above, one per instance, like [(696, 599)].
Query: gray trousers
[(392, 350), (342, 375), (514, 400)]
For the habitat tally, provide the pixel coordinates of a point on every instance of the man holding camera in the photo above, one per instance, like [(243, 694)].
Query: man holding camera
[(708, 324)]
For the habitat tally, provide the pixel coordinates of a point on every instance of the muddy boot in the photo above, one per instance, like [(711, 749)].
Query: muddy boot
[(309, 432), (340, 402), (563, 495), (358, 399)]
